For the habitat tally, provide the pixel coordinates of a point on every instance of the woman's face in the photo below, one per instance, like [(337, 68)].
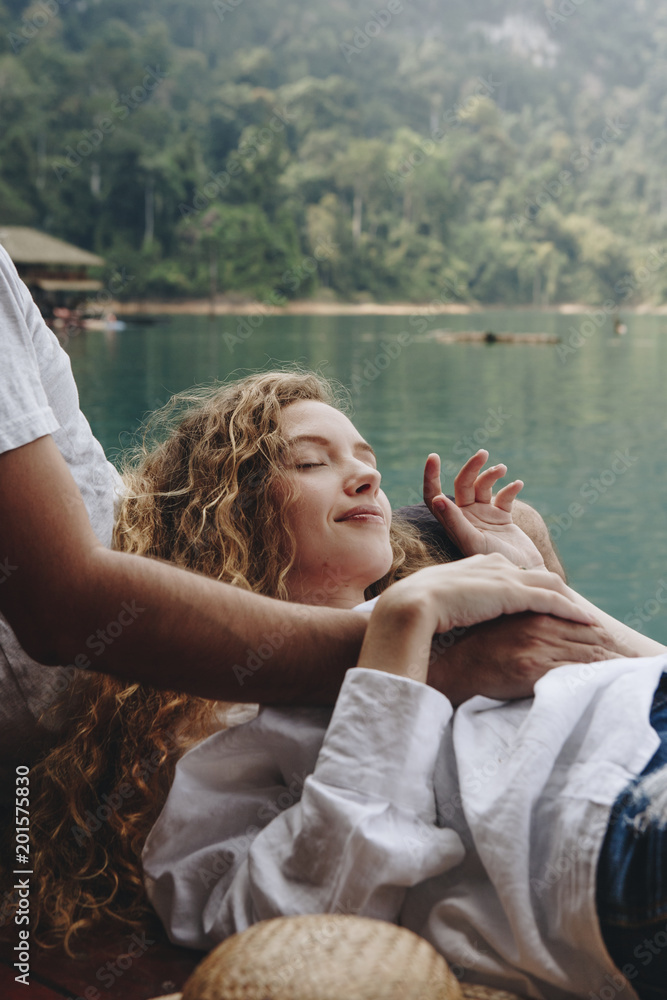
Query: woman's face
[(341, 517)]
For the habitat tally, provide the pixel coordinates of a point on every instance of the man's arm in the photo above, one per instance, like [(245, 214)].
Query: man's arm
[(527, 518), (72, 601), (505, 658)]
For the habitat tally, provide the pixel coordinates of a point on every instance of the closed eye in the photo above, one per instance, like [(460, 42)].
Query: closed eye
[(309, 465)]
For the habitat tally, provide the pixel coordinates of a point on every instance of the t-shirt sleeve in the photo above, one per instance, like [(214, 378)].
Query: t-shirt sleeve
[(25, 414)]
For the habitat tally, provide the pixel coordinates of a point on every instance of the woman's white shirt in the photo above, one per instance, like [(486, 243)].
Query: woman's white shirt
[(479, 829)]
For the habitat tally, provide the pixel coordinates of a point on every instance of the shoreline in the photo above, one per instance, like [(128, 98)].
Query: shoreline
[(310, 307)]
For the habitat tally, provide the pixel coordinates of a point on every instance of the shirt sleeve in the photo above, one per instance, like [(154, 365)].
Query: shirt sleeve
[(25, 414), (360, 832)]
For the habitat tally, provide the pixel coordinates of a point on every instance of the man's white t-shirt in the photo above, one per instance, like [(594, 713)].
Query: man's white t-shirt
[(38, 396)]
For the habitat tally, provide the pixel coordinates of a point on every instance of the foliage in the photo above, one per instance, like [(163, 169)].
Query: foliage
[(489, 151)]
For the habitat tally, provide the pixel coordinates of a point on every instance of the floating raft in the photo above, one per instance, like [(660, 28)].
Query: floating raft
[(489, 337)]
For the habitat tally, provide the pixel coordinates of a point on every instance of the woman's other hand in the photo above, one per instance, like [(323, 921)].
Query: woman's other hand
[(438, 598), (479, 522)]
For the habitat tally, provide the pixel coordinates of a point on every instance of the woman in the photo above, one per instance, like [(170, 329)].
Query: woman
[(480, 829), (207, 490)]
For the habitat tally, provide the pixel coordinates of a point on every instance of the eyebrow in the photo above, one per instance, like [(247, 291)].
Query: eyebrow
[(317, 439)]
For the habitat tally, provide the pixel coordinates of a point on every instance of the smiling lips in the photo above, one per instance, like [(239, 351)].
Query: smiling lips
[(365, 514)]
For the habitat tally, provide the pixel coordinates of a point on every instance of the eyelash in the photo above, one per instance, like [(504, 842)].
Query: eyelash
[(310, 465)]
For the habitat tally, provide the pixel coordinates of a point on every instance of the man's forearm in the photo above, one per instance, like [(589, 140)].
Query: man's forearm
[(148, 621), (505, 657), (528, 519), (185, 631), (71, 601)]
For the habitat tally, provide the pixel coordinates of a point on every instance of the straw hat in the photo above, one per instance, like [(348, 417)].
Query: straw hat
[(469, 993), (328, 957)]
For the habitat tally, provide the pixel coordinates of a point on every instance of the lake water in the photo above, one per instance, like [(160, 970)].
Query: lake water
[(583, 427)]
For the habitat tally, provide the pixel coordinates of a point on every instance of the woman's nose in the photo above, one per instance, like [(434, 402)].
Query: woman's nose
[(364, 480)]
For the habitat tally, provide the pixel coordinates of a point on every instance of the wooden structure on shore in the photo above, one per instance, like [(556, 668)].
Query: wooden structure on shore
[(56, 272)]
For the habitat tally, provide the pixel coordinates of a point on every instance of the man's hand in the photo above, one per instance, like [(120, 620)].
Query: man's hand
[(504, 658)]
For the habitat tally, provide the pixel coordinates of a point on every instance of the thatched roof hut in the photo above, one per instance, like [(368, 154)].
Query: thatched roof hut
[(56, 272)]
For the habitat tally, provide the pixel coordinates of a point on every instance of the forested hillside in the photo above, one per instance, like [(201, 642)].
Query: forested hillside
[(486, 150)]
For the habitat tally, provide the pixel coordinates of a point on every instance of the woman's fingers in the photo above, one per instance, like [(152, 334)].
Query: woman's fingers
[(473, 486), (543, 592), (546, 602), (507, 495), (432, 486), (486, 481), (456, 524), (464, 484)]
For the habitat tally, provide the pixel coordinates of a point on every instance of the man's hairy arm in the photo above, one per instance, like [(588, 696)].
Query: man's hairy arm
[(527, 518), (184, 631), (504, 658)]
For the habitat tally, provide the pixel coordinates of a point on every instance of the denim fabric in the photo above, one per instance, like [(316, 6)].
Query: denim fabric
[(632, 872)]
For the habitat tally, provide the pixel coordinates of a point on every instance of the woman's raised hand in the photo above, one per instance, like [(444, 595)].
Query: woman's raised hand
[(479, 522)]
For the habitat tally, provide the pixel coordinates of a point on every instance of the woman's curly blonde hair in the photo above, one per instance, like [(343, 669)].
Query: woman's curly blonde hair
[(206, 490)]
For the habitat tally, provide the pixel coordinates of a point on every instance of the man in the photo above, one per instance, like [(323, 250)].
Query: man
[(68, 600)]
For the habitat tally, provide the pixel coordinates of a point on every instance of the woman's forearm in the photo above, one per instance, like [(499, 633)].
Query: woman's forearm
[(631, 643), (398, 640)]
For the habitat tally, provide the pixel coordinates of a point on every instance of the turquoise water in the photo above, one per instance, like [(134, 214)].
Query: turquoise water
[(583, 427)]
